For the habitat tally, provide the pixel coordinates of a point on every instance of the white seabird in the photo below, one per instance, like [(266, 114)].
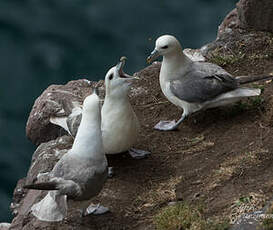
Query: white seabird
[(193, 85), (120, 125), (80, 174)]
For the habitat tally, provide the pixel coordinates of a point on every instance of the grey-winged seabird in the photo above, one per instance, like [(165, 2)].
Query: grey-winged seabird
[(80, 174), (193, 85)]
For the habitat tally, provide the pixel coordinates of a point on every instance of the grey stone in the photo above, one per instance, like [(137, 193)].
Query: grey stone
[(256, 14), (56, 100), (4, 226), (253, 220), (230, 22), (249, 221)]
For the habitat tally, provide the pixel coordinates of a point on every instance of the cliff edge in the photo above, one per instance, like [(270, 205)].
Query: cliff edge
[(221, 158)]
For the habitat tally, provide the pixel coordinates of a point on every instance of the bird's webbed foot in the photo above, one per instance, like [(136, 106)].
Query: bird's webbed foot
[(166, 125), (138, 153), (96, 209)]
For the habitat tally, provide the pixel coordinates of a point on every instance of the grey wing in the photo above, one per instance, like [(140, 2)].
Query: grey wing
[(71, 168), (59, 168), (198, 87), (208, 68)]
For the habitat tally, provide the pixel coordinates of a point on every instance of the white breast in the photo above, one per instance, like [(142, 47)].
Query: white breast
[(120, 126), (187, 107)]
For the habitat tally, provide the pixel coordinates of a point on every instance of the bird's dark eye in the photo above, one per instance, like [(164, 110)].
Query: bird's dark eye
[(164, 47), (111, 77)]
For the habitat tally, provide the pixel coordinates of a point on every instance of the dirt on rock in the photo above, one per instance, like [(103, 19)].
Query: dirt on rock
[(217, 157)]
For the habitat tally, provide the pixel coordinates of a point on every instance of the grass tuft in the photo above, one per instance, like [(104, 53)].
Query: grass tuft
[(227, 59), (268, 222), (185, 217)]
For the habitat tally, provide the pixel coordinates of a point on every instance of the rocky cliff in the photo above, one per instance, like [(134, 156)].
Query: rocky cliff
[(218, 156)]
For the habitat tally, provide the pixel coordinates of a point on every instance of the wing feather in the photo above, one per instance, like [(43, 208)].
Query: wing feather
[(197, 87)]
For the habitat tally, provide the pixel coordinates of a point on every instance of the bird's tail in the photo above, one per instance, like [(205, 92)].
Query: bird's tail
[(249, 79), (52, 208), (232, 96), (52, 185)]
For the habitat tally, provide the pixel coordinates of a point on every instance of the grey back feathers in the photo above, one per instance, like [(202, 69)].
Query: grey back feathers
[(197, 86), (204, 81), (81, 172)]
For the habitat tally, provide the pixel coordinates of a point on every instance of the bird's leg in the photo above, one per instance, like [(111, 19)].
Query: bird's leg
[(169, 125), (79, 207), (138, 153), (96, 209), (110, 172)]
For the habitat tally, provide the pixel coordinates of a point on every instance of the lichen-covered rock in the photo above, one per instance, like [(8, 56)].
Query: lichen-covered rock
[(46, 155), (234, 45), (230, 22), (4, 226), (253, 220), (194, 54), (56, 100), (256, 14), (249, 221)]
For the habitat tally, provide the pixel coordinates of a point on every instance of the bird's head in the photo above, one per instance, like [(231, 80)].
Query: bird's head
[(91, 103), (165, 45), (116, 81)]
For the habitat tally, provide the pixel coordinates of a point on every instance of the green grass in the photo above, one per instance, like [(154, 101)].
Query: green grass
[(227, 59), (268, 222), (185, 217), (244, 200)]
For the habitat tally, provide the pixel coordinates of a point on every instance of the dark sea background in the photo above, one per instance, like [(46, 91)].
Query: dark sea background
[(53, 41)]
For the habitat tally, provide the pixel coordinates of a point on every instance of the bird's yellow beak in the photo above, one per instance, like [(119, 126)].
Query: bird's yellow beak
[(120, 66), (154, 55)]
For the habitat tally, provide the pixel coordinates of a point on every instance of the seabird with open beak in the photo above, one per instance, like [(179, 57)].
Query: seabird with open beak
[(120, 125)]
